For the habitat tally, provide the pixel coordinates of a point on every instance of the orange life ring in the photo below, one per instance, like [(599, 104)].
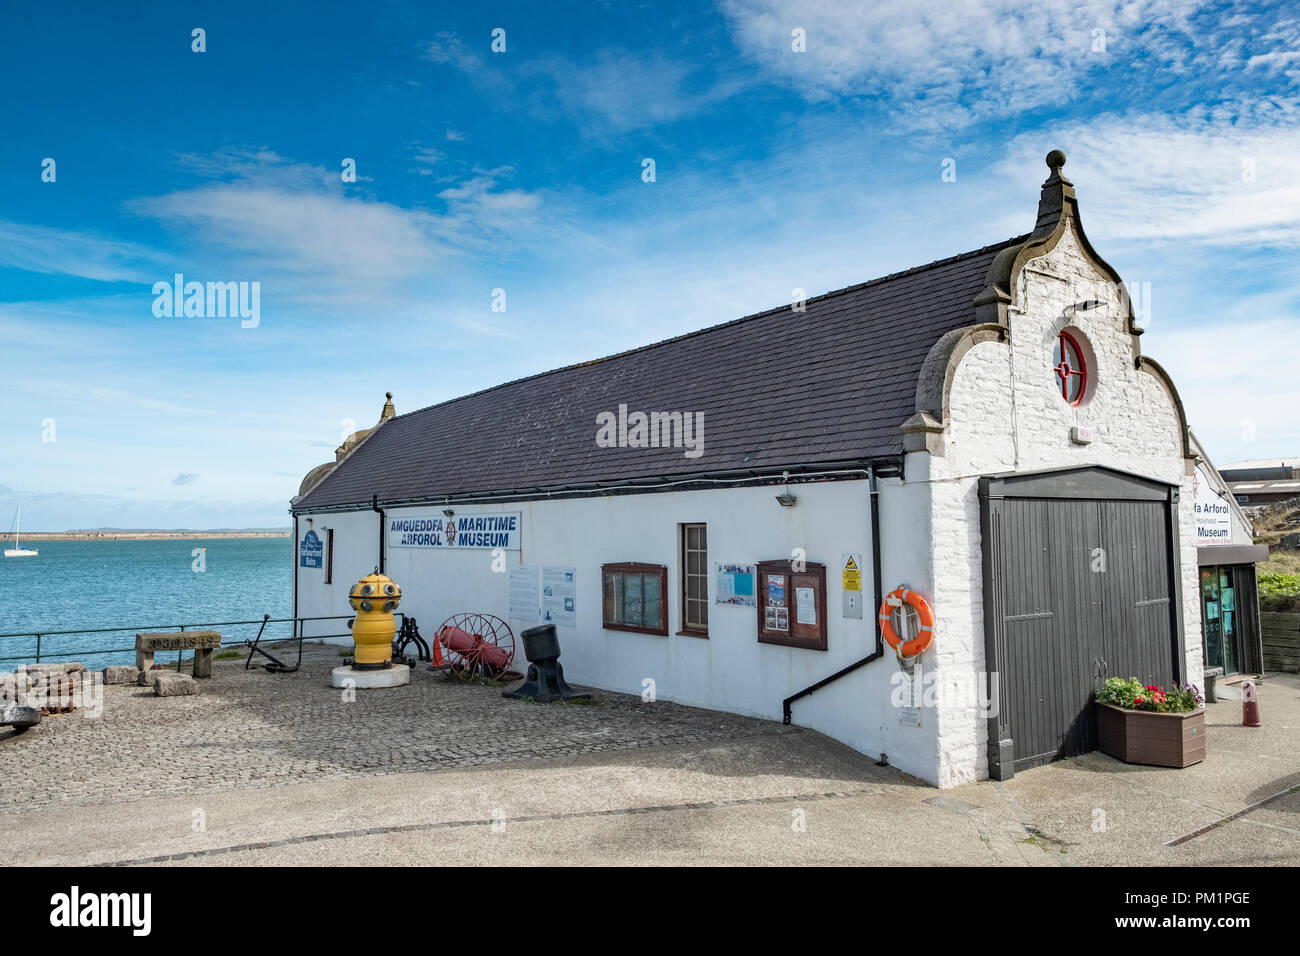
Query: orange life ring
[(897, 598)]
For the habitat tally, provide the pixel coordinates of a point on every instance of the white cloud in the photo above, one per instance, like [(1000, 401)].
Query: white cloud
[(617, 90), (1240, 389), (942, 63), (621, 91), (295, 224), (426, 158), (451, 50), (1200, 177), (478, 199), (307, 234), (67, 252), (476, 63)]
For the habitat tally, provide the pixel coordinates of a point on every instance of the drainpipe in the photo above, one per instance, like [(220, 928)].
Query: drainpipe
[(374, 506), (295, 575), (875, 612)]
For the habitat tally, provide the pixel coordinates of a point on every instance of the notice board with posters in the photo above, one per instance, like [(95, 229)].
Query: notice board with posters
[(792, 604)]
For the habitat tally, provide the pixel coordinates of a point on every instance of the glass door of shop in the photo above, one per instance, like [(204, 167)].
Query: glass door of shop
[(1220, 619)]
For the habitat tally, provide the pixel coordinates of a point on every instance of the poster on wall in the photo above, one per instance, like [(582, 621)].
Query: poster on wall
[(311, 551), (776, 590), (523, 598), (560, 596), (734, 584), (456, 532), (805, 602), (1213, 512), (777, 618)]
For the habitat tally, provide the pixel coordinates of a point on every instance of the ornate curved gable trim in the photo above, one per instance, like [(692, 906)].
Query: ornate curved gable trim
[(1058, 210)]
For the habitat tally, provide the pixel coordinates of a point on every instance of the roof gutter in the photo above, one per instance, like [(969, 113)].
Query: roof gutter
[(848, 470), (877, 584)]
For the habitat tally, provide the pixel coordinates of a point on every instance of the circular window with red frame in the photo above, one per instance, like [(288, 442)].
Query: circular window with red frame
[(1070, 367)]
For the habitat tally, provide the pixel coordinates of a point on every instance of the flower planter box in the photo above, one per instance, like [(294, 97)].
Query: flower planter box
[(1147, 737)]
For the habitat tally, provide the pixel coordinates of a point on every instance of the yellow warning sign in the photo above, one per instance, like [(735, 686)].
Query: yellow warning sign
[(851, 572)]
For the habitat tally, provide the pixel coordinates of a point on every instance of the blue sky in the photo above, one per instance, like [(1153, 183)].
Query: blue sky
[(522, 171)]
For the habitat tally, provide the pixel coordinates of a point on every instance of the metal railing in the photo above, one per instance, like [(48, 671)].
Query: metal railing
[(295, 635)]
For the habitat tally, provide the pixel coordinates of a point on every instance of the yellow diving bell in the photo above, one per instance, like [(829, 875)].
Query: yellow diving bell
[(373, 598)]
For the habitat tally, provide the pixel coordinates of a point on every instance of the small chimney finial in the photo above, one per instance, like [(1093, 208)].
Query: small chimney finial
[(1055, 160)]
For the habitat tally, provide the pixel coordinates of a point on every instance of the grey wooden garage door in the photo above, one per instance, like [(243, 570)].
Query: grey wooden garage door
[(1079, 586)]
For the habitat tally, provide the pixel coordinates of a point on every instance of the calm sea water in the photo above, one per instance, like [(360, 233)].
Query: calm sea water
[(140, 585)]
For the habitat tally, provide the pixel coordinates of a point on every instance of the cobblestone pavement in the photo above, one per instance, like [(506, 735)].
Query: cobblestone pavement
[(252, 729)]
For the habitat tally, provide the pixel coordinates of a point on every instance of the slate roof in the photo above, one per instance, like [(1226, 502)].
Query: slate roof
[(831, 384)]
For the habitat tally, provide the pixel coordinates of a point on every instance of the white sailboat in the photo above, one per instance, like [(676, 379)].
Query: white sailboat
[(15, 551)]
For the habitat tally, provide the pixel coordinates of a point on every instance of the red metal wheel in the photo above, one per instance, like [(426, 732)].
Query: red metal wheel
[(477, 644)]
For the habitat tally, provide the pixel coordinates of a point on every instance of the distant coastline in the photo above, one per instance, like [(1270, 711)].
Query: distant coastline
[(127, 535)]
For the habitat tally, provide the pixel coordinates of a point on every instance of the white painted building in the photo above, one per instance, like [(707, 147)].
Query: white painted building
[(1034, 476)]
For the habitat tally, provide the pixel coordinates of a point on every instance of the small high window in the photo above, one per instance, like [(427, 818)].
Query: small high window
[(1070, 368)]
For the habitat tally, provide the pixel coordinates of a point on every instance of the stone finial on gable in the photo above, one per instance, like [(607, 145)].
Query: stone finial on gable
[(389, 411), (1051, 202), (1057, 206)]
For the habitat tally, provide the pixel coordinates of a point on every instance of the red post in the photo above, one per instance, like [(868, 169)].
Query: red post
[(1249, 705)]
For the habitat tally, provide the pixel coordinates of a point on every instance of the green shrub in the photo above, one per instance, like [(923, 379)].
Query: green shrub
[(1279, 591)]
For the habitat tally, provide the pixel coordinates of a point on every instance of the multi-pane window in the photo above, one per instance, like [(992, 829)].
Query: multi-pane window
[(635, 597), (695, 579)]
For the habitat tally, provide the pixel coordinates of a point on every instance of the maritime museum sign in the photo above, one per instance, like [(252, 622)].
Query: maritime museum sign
[(456, 532)]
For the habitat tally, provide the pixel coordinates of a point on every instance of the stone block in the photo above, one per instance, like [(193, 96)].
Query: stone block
[(172, 684), (15, 715), (53, 667), (121, 674), (202, 665), (147, 677)]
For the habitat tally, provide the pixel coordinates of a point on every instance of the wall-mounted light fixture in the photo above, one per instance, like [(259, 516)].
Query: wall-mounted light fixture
[(786, 500), (448, 512)]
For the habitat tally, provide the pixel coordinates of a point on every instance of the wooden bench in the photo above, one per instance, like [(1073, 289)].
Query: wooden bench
[(202, 643)]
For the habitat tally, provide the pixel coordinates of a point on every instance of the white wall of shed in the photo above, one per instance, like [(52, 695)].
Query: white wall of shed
[(730, 670)]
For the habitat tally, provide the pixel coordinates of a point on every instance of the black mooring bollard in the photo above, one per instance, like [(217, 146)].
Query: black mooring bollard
[(545, 680)]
